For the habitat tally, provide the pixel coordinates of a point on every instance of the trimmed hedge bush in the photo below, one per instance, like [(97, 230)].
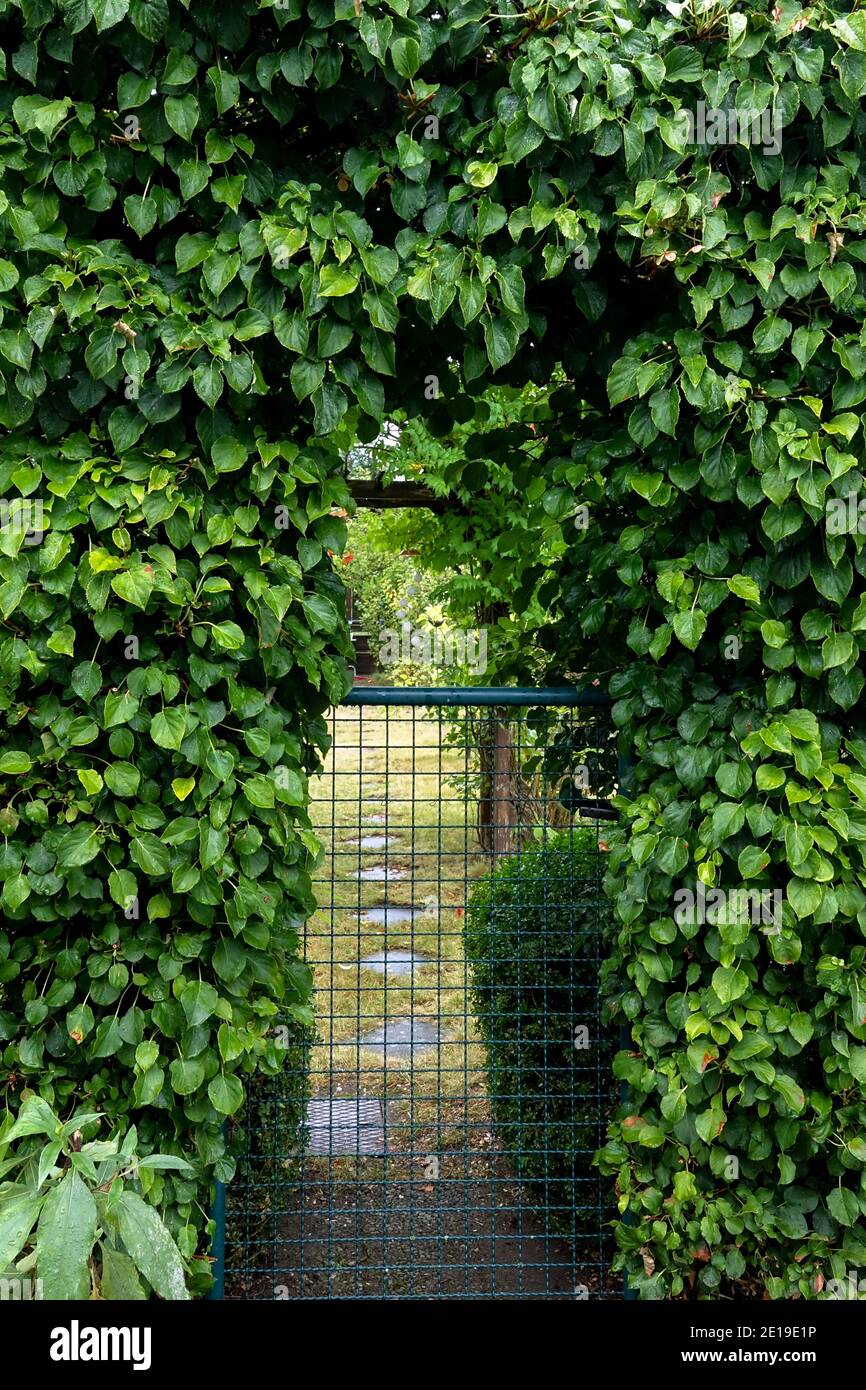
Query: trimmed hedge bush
[(532, 941)]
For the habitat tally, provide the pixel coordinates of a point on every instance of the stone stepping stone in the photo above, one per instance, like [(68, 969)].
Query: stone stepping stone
[(340, 1128), (387, 915), (379, 873), (373, 841), (396, 962), (401, 1039)]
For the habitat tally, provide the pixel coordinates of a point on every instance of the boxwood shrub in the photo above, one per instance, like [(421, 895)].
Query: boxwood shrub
[(532, 943)]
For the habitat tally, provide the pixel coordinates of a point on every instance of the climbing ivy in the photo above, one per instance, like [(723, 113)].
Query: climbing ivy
[(233, 240), (492, 553)]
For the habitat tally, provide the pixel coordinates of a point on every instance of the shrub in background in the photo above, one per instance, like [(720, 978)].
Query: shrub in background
[(533, 934)]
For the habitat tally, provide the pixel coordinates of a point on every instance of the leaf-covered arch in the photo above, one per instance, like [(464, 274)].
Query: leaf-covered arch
[(234, 239)]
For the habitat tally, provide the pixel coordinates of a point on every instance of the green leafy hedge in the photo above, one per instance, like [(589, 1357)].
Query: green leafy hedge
[(170, 642), (731, 608), (533, 935)]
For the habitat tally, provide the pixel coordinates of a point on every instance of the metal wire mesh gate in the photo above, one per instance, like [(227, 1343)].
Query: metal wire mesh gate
[(459, 1080)]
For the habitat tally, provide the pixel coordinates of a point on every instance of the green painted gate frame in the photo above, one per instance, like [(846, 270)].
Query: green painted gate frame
[(421, 697)]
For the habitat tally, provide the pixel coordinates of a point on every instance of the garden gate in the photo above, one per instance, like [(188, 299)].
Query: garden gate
[(459, 1079)]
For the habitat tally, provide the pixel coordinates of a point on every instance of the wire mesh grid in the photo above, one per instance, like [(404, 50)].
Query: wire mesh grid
[(459, 1080)]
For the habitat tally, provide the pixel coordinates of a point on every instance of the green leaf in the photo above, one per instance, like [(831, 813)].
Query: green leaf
[(728, 819), (207, 382), (226, 1094), (141, 213), (18, 1213), (90, 780), (186, 1075), (228, 454), (212, 844), (65, 1237), (802, 724), (193, 175), (260, 792), (804, 896), (182, 115), (135, 585), (78, 846), (219, 271), (150, 1246), (305, 377), (101, 353), (406, 56), (107, 13), (844, 1206), (119, 1282), (119, 707), (745, 588), (8, 276), (622, 381), (228, 636), (481, 174), (770, 333), (151, 855), (665, 411), (14, 763), (501, 338), (192, 248), (168, 728), (689, 627), (730, 984), (336, 281), (122, 886), (38, 113), (837, 650), (805, 343), (125, 426), (226, 88), (122, 778), (34, 1117), (798, 843)]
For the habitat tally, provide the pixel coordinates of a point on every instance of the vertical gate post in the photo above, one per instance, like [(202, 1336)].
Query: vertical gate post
[(218, 1248), (624, 771)]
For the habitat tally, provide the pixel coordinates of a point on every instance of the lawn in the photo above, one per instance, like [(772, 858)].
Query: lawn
[(389, 776)]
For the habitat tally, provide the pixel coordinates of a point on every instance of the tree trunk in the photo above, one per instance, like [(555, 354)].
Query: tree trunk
[(497, 802)]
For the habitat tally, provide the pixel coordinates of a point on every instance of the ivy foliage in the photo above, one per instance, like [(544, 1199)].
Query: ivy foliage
[(233, 239), (492, 554)]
